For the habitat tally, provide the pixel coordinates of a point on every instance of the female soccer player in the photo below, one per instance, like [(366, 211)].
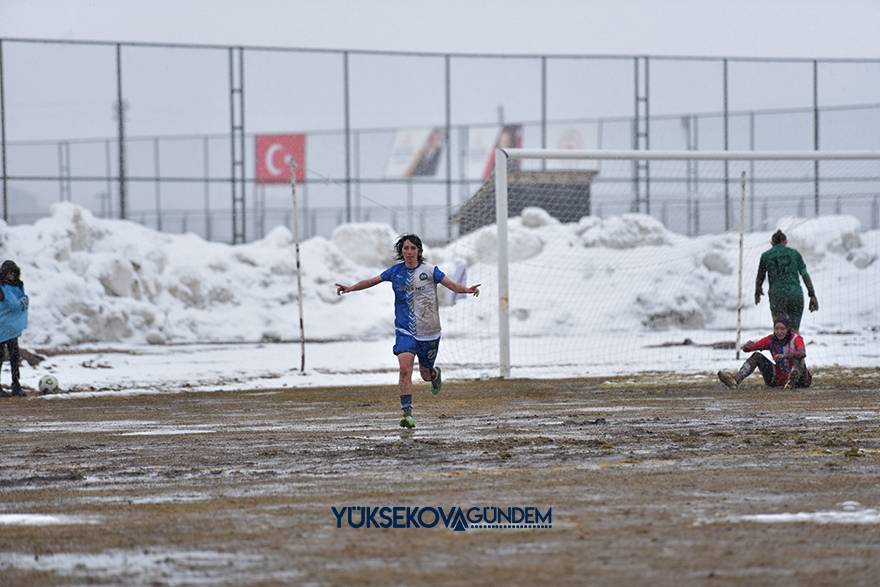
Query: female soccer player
[(782, 264), (788, 350), (416, 315)]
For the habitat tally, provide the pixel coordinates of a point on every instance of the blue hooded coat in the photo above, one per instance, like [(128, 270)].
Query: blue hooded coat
[(13, 304)]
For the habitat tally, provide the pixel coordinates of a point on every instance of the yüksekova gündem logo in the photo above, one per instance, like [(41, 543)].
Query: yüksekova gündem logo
[(454, 518)]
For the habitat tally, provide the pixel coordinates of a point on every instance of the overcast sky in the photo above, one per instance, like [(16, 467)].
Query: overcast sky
[(776, 28)]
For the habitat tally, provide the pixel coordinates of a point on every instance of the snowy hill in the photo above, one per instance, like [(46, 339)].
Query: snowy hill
[(95, 280)]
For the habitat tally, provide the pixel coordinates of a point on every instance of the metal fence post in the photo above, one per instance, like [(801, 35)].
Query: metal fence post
[(647, 134), (875, 213), (448, 75), (5, 186), (543, 109), (238, 185), (206, 170), (816, 134), (690, 217), (726, 147), (751, 172), (347, 114), (158, 184), (356, 136), (108, 176), (641, 138), (120, 134)]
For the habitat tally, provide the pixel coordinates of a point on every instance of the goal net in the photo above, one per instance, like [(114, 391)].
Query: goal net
[(599, 263)]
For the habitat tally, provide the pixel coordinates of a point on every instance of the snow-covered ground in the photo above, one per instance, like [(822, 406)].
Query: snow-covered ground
[(153, 311)]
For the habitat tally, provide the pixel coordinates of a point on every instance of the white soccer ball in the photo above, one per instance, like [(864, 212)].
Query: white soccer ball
[(48, 384)]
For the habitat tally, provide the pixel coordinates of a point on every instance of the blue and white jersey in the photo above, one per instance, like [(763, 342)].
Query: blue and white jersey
[(416, 310)]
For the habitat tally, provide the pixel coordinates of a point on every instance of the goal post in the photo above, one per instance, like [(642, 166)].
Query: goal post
[(501, 212), (694, 190)]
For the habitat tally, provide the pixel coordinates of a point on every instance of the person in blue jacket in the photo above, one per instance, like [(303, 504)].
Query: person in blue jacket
[(13, 319)]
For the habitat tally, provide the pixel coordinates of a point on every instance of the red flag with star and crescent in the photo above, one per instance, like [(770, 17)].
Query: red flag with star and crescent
[(273, 154)]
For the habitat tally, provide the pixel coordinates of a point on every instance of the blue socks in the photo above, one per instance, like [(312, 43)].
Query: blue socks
[(406, 404)]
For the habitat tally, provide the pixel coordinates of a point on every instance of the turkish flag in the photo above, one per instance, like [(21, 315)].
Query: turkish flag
[(274, 153)]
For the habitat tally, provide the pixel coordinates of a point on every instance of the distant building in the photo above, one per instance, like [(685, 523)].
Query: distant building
[(565, 195)]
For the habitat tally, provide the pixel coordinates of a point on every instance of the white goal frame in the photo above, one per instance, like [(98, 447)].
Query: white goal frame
[(503, 156)]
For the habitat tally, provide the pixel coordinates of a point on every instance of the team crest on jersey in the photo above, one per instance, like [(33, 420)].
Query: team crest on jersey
[(423, 276)]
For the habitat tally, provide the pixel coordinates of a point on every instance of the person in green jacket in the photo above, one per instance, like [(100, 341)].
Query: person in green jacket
[(782, 265)]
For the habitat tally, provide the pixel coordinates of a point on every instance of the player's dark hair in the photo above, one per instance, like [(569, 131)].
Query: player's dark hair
[(10, 273), (787, 323), (778, 238), (414, 239)]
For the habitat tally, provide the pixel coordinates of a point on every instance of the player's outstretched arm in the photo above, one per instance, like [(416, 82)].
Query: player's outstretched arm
[(363, 284), (462, 289)]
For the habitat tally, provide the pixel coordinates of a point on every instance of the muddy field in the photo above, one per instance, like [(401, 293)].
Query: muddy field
[(651, 480)]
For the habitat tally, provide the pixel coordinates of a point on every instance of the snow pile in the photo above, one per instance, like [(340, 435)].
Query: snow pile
[(623, 232), (816, 238), (368, 244), (481, 246), (96, 280), (629, 273)]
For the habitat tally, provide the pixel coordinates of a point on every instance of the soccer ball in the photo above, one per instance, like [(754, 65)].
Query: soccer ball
[(48, 384)]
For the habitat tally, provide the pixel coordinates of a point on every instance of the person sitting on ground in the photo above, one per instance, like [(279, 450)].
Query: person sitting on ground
[(789, 353)]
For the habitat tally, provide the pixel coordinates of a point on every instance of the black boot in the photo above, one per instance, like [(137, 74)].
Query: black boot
[(14, 366)]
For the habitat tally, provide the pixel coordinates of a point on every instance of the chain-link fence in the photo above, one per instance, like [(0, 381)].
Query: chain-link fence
[(190, 118)]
